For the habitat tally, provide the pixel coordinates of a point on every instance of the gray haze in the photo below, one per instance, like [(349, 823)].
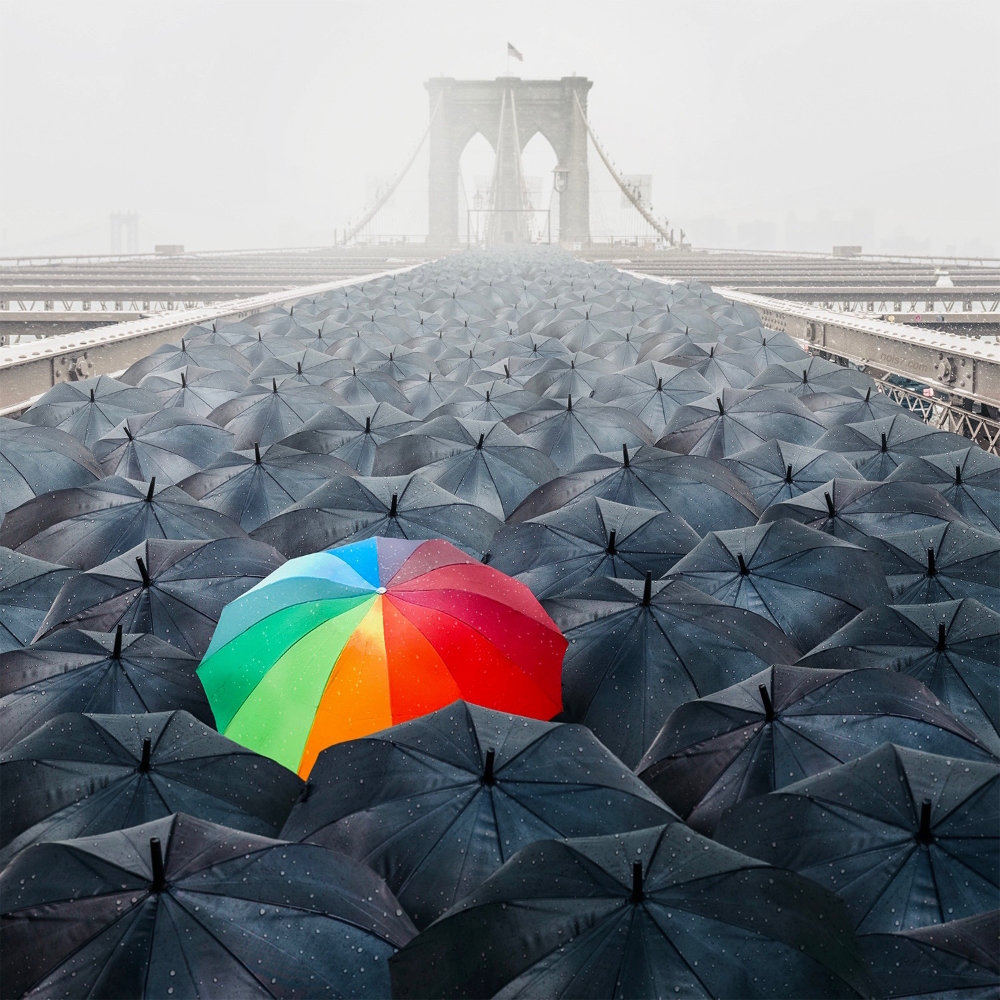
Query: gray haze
[(236, 124)]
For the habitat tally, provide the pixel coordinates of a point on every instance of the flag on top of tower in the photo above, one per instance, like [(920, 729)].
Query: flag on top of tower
[(511, 51)]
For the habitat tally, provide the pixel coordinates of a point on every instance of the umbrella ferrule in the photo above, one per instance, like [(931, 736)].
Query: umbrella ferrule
[(625, 455), (788, 474), (868, 394), (256, 452), (931, 566), (830, 509), (805, 377), (274, 385), (885, 445), (92, 394), (184, 380), (647, 589), (569, 403), (479, 445), (116, 653), (506, 371), (765, 698), (128, 433), (958, 475), (718, 402), (144, 761), (744, 569), (142, 570), (924, 835), (488, 778), (659, 385), (392, 507), (611, 543), (487, 395), (149, 492), (368, 425), (941, 644), (637, 895), (159, 882), (298, 365)]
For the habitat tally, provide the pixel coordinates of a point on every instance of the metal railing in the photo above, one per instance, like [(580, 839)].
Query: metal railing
[(983, 430)]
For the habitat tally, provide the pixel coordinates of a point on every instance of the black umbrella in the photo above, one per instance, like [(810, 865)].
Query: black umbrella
[(351, 433), (959, 960), (574, 376), (498, 402), (170, 357), (804, 581), (251, 488), (906, 839), (776, 471), (951, 647), (197, 390), (90, 408), (302, 366), (437, 804), (725, 369), (853, 407), (80, 775), (182, 905), (768, 349), (349, 509), (789, 723), (167, 445), (175, 590), (72, 671), (89, 525), (590, 537), (27, 589), (969, 479), (655, 913), (265, 414), (35, 460), (944, 563), (876, 447), (703, 492), (483, 462), (430, 393), (581, 428), (738, 419), (366, 388), (638, 649), (812, 374)]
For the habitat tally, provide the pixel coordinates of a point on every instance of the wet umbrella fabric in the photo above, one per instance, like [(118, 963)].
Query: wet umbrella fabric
[(369, 388), (639, 649), (170, 357), (449, 797), (944, 563), (90, 408), (951, 647), (340, 644), (642, 914), (185, 905), (800, 378), (88, 525), (854, 407), (27, 589), (81, 775), (804, 581), (74, 671), (484, 463), (590, 537), (906, 839), (776, 471), (738, 419), (167, 445), (265, 414), (969, 479), (36, 460), (789, 723), (959, 960), (706, 494), (175, 590), (583, 428), (347, 509), (251, 488), (197, 390)]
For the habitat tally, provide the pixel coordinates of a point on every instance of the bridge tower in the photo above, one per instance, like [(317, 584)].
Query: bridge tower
[(491, 107)]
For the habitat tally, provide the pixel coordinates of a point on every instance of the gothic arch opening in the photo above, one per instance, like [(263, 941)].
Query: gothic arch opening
[(475, 170), (539, 160)]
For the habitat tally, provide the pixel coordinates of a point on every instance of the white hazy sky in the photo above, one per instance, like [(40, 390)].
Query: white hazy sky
[(231, 123)]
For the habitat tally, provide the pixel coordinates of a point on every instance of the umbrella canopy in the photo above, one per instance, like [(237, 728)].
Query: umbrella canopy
[(580, 429), (252, 488), (340, 644), (738, 419), (183, 905), (944, 563), (725, 369), (806, 582), (175, 590), (73, 671), (906, 839), (482, 462), (499, 402), (349, 508), (590, 537), (848, 406), (171, 357), (644, 914), (776, 471), (449, 797), (80, 775), (575, 376), (639, 649), (368, 388), (36, 460), (812, 374), (167, 445), (88, 409), (788, 723), (431, 393), (703, 492), (876, 447), (969, 479), (265, 414), (197, 390), (959, 960), (351, 433), (951, 647), (88, 525), (27, 589)]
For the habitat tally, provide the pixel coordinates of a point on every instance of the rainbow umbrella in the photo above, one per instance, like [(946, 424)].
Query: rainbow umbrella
[(343, 643)]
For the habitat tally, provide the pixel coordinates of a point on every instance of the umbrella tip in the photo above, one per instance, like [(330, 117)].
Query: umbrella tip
[(569, 402), (611, 543), (765, 698), (488, 778), (274, 385), (941, 644), (184, 381), (637, 895), (718, 402), (144, 761), (183, 345), (744, 569), (931, 567), (256, 452), (885, 445), (924, 835), (958, 475), (487, 395), (159, 882), (486, 558), (647, 590), (428, 376), (830, 509), (149, 492), (92, 394), (659, 385), (868, 394), (479, 446), (392, 508), (142, 570), (788, 474), (116, 653), (368, 425), (625, 455)]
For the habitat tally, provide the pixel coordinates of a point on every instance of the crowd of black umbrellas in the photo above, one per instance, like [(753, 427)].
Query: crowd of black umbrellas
[(776, 771)]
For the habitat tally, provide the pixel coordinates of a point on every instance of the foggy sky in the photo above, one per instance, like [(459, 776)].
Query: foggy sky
[(229, 124)]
